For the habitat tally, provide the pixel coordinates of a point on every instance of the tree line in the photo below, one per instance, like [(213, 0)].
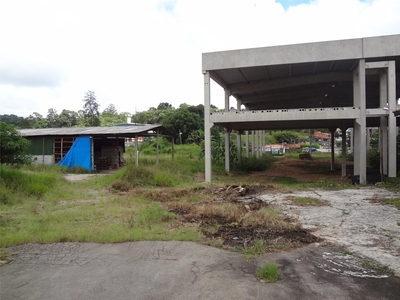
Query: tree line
[(186, 122)]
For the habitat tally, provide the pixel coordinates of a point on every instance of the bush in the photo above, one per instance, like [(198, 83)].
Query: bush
[(249, 164), (13, 146)]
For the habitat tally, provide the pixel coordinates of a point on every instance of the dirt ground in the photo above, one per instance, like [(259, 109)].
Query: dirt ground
[(307, 170)]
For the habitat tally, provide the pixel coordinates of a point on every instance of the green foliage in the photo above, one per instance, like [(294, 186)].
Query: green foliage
[(285, 136), (13, 146), (15, 182), (11, 119), (268, 272), (152, 214), (91, 109), (307, 201), (393, 201), (257, 249), (250, 164), (181, 122)]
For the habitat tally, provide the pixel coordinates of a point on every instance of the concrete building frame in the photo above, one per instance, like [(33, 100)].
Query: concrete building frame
[(334, 84)]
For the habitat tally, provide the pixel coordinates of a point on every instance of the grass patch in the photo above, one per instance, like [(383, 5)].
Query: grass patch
[(392, 201), (379, 268), (256, 250), (268, 272), (307, 201)]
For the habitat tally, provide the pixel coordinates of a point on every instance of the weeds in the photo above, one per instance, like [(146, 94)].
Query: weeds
[(268, 272), (307, 201), (257, 249), (392, 201)]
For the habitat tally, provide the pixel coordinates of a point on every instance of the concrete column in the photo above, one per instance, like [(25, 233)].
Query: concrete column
[(344, 151), (383, 129), (247, 143), (262, 142), (252, 143), (392, 130), (332, 131), (258, 143), (360, 153), (239, 135), (227, 134), (207, 127)]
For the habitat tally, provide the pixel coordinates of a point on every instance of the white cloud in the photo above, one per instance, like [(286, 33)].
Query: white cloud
[(137, 54)]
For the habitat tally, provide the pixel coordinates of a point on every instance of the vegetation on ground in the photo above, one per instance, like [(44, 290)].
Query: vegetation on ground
[(268, 272), (307, 201), (153, 201)]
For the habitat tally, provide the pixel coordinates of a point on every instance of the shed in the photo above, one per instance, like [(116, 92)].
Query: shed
[(95, 148)]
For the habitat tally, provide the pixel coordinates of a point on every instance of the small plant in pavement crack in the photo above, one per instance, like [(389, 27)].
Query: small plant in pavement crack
[(268, 272)]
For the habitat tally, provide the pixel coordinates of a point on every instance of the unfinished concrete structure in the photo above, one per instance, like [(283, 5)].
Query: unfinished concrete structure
[(335, 84)]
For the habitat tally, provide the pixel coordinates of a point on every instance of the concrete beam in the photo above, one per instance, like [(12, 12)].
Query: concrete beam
[(287, 115), (290, 82)]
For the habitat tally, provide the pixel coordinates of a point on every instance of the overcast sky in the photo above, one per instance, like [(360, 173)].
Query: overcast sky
[(136, 54)]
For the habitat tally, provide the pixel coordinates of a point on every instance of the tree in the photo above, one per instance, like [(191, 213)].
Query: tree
[(182, 121), (285, 136), (110, 110), (13, 146), (52, 118), (67, 118), (37, 121), (91, 109), (164, 105)]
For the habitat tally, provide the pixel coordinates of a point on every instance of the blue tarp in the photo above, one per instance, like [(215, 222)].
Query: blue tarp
[(78, 155)]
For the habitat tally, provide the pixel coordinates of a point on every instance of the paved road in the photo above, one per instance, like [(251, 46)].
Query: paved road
[(183, 270)]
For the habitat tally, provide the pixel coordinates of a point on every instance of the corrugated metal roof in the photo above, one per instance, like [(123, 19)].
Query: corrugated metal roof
[(130, 130)]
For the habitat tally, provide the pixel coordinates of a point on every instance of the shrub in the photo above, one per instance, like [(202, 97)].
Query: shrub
[(13, 146), (249, 164), (268, 272)]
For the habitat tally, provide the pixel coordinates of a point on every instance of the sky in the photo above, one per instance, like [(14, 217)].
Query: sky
[(136, 54)]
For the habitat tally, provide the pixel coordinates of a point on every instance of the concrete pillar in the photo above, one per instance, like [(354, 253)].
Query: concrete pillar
[(360, 153), (383, 129), (252, 143), (207, 127), (247, 143), (227, 134), (332, 131), (239, 135), (344, 151), (392, 130), (262, 142), (258, 143)]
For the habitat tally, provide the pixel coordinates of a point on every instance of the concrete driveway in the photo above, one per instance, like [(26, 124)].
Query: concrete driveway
[(184, 270)]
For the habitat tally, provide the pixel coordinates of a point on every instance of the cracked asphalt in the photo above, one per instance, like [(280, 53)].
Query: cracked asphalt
[(184, 270)]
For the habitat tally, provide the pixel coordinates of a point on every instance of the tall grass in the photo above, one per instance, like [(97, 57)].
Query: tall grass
[(16, 184)]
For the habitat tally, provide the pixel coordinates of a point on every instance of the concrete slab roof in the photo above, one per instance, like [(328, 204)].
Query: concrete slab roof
[(302, 76), (128, 130)]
